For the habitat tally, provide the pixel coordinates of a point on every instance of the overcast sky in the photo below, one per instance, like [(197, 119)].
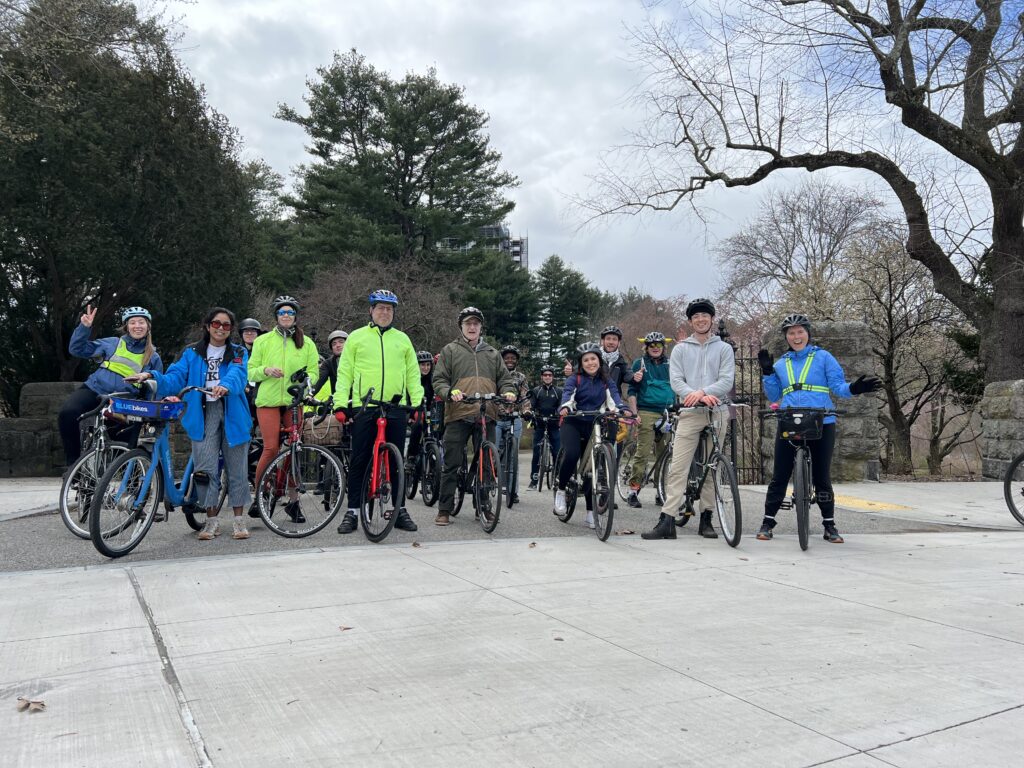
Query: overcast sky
[(555, 77)]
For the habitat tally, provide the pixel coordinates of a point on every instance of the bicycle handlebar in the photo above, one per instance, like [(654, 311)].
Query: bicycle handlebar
[(776, 411)]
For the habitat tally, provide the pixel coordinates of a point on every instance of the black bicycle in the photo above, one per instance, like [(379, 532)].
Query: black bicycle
[(1013, 488), (797, 426), (509, 457), (594, 472), (545, 464), (423, 468)]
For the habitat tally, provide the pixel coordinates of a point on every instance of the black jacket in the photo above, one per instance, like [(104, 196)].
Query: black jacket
[(545, 400)]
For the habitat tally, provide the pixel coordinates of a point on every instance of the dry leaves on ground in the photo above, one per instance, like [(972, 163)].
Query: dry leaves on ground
[(32, 705)]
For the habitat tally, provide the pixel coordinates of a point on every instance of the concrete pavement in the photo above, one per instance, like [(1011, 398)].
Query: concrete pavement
[(898, 649)]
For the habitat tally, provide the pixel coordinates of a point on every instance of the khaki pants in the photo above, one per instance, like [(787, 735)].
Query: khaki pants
[(688, 430), (648, 441)]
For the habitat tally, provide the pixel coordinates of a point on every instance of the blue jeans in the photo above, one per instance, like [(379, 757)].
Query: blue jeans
[(517, 433)]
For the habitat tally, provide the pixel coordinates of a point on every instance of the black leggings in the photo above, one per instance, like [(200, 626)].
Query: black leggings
[(574, 434), (821, 471), (82, 400)]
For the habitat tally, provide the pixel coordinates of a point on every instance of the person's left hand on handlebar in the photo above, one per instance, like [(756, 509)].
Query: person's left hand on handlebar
[(693, 398), (218, 391), (710, 400), (865, 384)]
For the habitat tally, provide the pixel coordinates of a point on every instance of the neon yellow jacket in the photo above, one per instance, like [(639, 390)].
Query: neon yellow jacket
[(380, 358), (272, 350)]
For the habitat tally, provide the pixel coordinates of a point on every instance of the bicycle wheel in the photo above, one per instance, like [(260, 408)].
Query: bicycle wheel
[(461, 484), (300, 491), (413, 471), (571, 488), (603, 491), (195, 514), (727, 500), (379, 509), (1013, 488), (802, 495), (487, 486), (510, 471), (544, 466), (661, 470), (120, 518), (77, 489), (624, 470), (431, 480)]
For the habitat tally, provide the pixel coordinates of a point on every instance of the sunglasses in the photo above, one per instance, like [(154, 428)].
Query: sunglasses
[(286, 313), (217, 325)]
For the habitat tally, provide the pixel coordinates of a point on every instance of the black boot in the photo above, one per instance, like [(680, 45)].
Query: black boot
[(348, 523), (404, 522), (665, 529), (293, 511), (705, 528)]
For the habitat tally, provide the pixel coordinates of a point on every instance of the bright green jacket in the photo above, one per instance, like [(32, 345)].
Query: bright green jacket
[(383, 359), (272, 350)]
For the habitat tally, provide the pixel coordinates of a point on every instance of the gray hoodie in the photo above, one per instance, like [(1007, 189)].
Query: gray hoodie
[(710, 366)]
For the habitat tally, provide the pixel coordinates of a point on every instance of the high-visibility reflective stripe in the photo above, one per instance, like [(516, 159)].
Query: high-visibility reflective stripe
[(123, 362), (793, 381)]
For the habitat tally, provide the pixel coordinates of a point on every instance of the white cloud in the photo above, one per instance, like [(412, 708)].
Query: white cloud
[(555, 78)]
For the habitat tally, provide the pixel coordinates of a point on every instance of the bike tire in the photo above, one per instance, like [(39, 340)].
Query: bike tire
[(661, 470), (79, 485), (487, 477), (315, 476), (544, 467), (727, 500), (623, 472), (802, 498), (461, 483), (510, 472), (109, 518), (602, 490), (1013, 488), (378, 510), (412, 476), (431, 480), (571, 489)]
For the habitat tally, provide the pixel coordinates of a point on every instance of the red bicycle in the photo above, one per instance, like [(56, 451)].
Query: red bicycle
[(384, 481)]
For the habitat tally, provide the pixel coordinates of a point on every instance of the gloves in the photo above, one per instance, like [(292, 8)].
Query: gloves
[(340, 416), (865, 384), (766, 361)]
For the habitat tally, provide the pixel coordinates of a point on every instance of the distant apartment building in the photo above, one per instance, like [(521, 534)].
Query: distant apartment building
[(496, 237)]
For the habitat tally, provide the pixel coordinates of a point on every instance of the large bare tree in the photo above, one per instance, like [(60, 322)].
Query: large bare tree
[(925, 95)]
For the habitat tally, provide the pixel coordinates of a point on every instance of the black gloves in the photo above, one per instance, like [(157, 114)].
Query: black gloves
[(865, 384), (766, 361)]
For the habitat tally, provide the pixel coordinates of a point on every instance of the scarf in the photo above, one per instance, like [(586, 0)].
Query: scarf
[(610, 357)]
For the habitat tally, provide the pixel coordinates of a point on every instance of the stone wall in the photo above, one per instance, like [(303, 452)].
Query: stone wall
[(30, 444), (857, 434), (1002, 426)]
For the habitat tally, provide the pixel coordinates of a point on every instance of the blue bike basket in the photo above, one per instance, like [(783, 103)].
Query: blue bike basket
[(147, 409)]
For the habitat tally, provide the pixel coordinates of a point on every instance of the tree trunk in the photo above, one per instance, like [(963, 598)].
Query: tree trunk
[(1002, 344), (935, 454), (900, 462)]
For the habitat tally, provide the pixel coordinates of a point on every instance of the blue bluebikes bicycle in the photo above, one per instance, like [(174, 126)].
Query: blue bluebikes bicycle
[(127, 497)]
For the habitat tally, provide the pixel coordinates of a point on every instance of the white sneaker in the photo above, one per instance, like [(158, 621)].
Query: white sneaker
[(590, 519), (210, 530), (560, 503)]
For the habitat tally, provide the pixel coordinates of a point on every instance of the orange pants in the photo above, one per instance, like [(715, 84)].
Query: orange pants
[(272, 421)]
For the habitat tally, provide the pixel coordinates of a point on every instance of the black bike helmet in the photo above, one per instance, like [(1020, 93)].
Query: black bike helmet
[(612, 330), (471, 312), (250, 324), (424, 357), (654, 337), (285, 301), (699, 305), (509, 349), (791, 321)]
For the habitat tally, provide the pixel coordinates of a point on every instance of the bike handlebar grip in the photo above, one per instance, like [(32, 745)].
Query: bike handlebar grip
[(295, 390)]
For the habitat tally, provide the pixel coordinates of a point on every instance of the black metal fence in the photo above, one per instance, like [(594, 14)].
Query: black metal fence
[(746, 426)]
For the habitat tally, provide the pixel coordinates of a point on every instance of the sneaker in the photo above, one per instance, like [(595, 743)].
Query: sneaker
[(293, 511), (515, 498), (633, 501), (210, 530), (404, 522), (254, 509), (238, 529), (560, 505), (349, 522), (590, 519), (831, 534), (442, 519), (765, 532), (533, 483)]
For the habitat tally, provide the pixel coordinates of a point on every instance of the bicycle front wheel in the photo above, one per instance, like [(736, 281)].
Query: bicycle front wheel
[(571, 489), (1013, 488), (603, 491), (121, 514), (510, 473), (624, 470), (544, 468), (431, 481), (802, 496), (727, 500), (301, 491), (77, 490), (487, 486), (381, 502)]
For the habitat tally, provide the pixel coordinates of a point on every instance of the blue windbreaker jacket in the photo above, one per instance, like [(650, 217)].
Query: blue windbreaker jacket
[(825, 371)]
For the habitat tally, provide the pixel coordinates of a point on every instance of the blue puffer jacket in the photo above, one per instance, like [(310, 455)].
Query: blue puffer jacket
[(189, 370), (589, 392), (102, 381), (825, 371)]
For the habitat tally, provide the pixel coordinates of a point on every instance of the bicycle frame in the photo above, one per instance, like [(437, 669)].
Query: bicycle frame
[(378, 441), (160, 450)]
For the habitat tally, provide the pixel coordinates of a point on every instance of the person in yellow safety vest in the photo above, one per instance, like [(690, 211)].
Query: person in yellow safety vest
[(377, 356), (276, 356), (130, 353), (324, 386)]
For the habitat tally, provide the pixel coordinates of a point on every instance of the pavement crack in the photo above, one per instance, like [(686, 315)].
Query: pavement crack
[(188, 721), (944, 728)]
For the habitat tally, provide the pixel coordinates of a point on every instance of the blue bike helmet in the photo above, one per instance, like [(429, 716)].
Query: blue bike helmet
[(382, 296)]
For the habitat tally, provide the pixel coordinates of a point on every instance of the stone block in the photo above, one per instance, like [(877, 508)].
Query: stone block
[(25, 447), (43, 399)]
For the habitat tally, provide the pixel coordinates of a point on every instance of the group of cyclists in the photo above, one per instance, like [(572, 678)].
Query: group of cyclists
[(245, 385)]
